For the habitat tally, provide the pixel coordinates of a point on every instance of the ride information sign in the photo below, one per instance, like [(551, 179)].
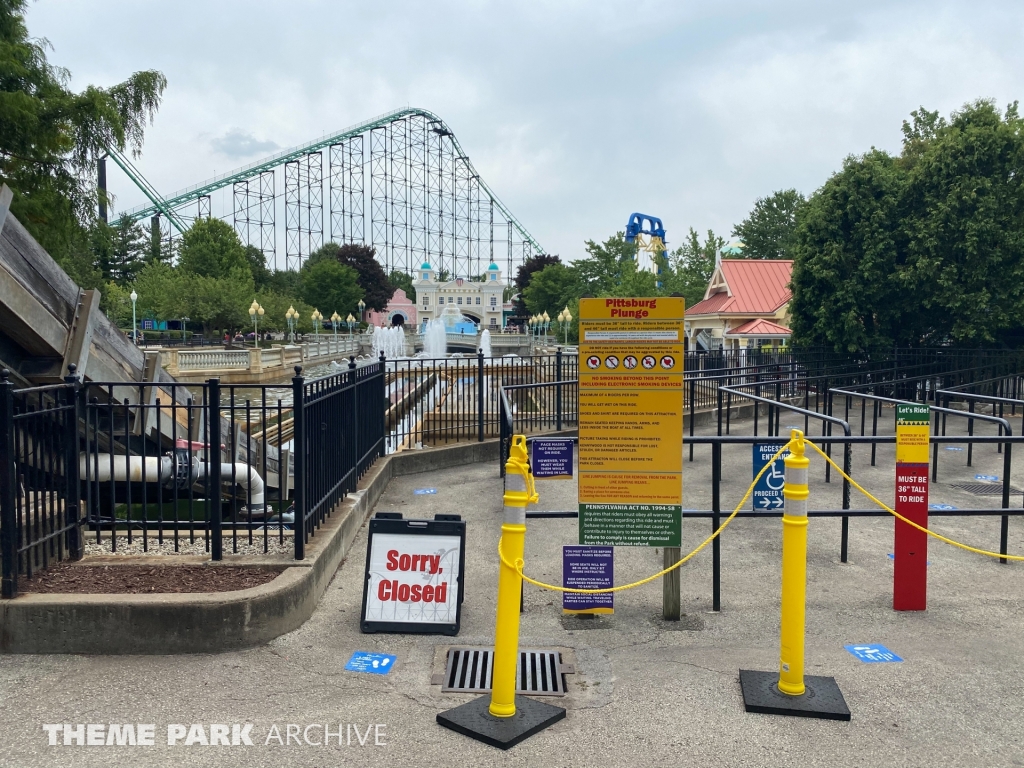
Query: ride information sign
[(631, 421), (910, 556)]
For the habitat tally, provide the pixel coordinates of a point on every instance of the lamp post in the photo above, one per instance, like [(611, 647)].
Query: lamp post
[(316, 317), (565, 318), (291, 316), (256, 312), (184, 331), (351, 321), (547, 322), (362, 308), (135, 331), (335, 319)]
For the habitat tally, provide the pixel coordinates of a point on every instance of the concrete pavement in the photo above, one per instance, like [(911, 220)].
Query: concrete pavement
[(645, 693)]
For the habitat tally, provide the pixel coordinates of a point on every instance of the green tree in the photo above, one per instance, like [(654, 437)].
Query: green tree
[(220, 303), (377, 291), (634, 281), (962, 222), (284, 281), (401, 280), (211, 248), (276, 305), (158, 251), (551, 289), (601, 270), (845, 290), (257, 266), (767, 233), (923, 248), (691, 266), (51, 138), (330, 286), (525, 273), (116, 304), (129, 247), (162, 292)]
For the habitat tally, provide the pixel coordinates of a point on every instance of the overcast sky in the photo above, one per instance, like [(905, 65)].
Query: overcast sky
[(576, 113)]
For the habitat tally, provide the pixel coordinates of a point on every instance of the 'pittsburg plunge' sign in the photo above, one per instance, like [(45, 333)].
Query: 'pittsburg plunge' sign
[(631, 421)]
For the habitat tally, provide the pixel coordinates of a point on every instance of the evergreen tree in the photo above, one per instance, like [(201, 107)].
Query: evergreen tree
[(129, 250)]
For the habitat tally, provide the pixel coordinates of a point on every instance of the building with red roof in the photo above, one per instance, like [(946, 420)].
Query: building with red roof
[(746, 304)]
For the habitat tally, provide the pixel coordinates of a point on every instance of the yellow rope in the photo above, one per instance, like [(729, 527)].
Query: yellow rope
[(519, 563), (911, 523)]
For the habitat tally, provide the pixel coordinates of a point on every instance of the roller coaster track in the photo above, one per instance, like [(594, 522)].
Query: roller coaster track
[(391, 168)]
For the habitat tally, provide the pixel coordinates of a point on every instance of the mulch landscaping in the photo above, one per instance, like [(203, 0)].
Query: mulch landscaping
[(143, 579)]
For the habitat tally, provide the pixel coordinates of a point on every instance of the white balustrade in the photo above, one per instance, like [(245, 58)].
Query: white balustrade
[(214, 359)]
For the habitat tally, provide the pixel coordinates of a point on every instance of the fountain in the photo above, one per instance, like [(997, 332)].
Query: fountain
[(390, 341), (485, 342), (435, 341)]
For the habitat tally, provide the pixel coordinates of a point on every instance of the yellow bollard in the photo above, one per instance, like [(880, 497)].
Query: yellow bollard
[(519, 492), (794, 569)]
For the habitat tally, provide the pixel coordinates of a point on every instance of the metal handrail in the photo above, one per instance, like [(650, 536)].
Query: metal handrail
[(847, 459)]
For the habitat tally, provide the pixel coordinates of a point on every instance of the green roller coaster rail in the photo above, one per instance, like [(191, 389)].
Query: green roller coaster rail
[(159, 204), (168, 206)]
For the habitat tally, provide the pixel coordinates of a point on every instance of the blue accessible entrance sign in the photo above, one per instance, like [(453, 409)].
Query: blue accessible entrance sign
[(767, 495), (551, 458), (374, 663), (871, 653)]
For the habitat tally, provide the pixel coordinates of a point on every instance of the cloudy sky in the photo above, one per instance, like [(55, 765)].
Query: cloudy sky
[(576, 113)]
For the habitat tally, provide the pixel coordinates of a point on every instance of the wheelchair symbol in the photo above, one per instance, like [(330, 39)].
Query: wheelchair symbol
[(775, 480)]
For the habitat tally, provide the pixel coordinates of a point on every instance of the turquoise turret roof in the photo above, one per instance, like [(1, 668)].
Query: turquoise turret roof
[(493, 266), (426, 265)]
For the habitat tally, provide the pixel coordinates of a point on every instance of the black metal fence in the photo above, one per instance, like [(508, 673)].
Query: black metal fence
[(339, 433), (200, 468), (39, 510), (210, 468), (716, 514), (449, 400)]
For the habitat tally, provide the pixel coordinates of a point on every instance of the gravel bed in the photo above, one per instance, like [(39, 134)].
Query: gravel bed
[(185, 547)]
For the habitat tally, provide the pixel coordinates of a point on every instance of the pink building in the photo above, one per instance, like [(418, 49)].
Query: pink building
[(401, 305)]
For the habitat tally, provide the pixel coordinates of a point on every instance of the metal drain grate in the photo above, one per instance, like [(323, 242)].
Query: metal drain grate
[(984, 489), (540, 673)]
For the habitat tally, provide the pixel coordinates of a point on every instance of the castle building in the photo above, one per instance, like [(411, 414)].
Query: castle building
[(480, 301)]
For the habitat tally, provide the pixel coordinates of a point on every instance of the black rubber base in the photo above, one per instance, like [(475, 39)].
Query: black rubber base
[(475, 721), (822, 697)]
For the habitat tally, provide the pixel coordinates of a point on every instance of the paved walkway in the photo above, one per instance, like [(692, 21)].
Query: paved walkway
[(645, 693)]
